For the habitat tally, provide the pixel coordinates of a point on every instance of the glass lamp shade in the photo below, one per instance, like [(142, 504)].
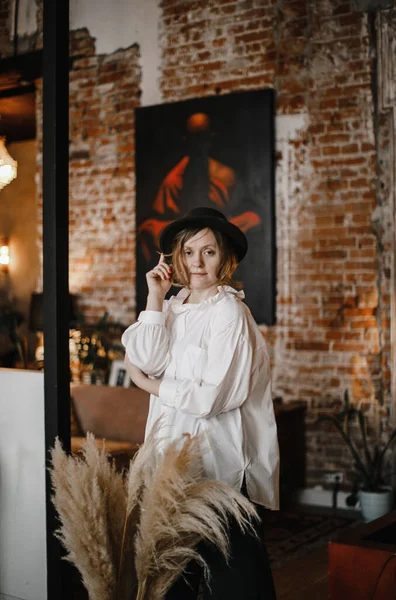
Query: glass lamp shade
[(8, 166)]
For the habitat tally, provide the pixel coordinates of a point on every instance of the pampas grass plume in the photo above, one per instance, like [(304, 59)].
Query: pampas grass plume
[(140, 471), (131, 538), (89, 498), (181, 508)]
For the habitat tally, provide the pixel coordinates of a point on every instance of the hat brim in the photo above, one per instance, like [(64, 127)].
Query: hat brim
[(236, 237)]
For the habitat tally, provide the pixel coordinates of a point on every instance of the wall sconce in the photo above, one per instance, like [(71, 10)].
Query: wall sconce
[(4, 256), (8, 166)]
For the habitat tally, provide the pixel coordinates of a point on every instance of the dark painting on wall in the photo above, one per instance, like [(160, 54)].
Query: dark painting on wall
[(219, 152)]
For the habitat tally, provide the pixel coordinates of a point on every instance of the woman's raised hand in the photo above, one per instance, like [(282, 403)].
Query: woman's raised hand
[(159, 279)]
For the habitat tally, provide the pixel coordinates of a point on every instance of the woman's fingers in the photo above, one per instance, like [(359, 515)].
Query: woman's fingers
[(157, 272), (160, 274), (162, 270)]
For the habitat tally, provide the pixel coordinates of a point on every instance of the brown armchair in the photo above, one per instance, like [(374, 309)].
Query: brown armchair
[(115, 414)]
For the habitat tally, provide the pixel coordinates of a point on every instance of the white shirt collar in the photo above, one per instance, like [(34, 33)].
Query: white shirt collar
[(177, 305)]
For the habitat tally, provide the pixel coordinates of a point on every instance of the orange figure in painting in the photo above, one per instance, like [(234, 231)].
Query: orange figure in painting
[(195, 177)]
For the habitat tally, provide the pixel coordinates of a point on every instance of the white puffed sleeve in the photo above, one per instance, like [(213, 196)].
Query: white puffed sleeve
[(230, 372), (147, 343)]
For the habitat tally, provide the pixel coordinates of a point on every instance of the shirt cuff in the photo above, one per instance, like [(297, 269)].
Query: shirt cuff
[(167, 391), (152, 317)]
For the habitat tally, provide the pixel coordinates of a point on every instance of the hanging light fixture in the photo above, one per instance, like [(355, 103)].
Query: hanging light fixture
[(8, 166)]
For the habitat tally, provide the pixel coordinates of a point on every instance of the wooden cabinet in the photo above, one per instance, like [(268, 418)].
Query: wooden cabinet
[(290, 421)]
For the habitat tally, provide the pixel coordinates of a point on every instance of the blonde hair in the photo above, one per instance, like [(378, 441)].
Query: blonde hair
[(229, 261)]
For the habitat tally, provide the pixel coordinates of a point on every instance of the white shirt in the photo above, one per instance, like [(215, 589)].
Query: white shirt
[(215, 372)]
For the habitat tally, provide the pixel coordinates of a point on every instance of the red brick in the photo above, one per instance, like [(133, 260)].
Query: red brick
[(330, 150), (312, 346), (332, 254), (343, 347), (335, 335)]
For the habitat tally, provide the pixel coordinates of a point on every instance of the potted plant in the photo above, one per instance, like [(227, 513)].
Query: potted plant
[(370, 487)]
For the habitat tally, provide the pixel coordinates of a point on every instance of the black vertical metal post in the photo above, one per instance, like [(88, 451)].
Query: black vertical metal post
[(55, 261)]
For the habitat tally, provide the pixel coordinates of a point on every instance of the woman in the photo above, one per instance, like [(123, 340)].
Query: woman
[(204, 361)]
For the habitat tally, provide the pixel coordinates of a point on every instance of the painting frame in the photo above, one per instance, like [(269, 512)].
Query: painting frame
[(118, 375), (242, 149)]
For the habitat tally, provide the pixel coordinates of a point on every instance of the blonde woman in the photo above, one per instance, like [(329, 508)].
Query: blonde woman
[(204, 361)]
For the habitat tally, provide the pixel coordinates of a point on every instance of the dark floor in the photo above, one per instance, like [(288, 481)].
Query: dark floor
[(304, 578)]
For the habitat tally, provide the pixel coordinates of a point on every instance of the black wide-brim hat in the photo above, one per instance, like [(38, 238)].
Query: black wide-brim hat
[(200, 218)]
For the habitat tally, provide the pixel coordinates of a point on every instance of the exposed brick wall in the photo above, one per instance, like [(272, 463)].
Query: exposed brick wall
[(217, 47), (330, 334), (104, 90)]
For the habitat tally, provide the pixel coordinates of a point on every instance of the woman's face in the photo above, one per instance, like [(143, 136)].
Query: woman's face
[(202, 259)]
